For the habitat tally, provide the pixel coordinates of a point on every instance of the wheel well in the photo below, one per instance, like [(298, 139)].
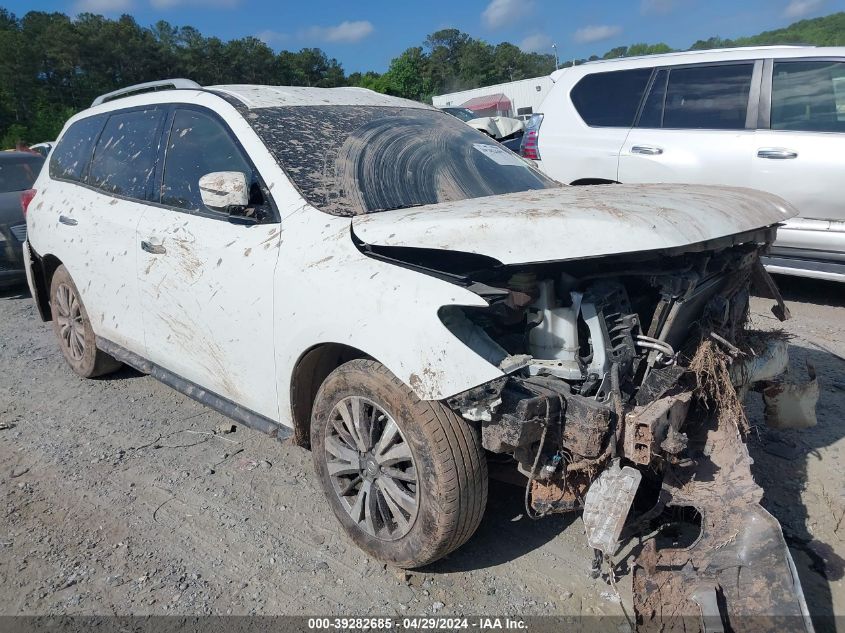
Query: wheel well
[(311, 370), (594, 181), (43, 269)]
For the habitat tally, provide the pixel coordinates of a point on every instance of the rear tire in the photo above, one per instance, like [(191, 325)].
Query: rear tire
[(422, 479), (73, 329)]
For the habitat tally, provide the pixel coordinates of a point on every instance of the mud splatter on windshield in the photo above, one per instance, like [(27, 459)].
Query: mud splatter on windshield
[(350, 160)]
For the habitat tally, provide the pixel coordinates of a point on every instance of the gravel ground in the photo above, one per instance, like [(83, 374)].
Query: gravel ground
[(124, 497)]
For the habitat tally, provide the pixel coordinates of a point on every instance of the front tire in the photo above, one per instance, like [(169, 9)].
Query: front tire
[(73, 329), (406, 478)]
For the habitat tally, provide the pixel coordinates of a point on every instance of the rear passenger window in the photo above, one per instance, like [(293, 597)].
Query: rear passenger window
[(199, 144), (125, 156), (72, 154), (19, 174), (708, 97), (652, 115), (610, 99), (808, 96)]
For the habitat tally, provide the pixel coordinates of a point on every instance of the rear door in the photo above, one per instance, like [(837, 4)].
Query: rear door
[(206, 278), (581, 135), (103, 170), (696, 126), (800, 151)]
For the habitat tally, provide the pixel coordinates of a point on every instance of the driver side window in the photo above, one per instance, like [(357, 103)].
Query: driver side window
[(198, 145)]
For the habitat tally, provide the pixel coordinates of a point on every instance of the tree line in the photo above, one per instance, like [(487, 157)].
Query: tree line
[(52, 66)]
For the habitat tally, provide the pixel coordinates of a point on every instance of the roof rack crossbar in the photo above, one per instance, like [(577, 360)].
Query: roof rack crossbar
[(150, 86)]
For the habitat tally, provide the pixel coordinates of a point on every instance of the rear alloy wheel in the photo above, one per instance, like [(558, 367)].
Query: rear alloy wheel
[(406, 478), (73, 329), (69, 320)]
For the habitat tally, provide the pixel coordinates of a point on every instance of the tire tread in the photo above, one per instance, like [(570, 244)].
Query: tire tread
[(459, 461)]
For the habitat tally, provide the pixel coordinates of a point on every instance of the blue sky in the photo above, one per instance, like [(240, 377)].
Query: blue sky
[(367, 34)]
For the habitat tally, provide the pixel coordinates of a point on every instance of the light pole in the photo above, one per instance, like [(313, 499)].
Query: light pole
[(554, 48)]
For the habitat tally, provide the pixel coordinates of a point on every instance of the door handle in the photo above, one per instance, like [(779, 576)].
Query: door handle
[(66, 220), (155, 249), (646, 150), (776, 153)]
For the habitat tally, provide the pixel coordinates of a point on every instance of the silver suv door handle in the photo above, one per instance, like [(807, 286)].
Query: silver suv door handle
[(155, 249), (66, 220), (646, 150), (776, 153)]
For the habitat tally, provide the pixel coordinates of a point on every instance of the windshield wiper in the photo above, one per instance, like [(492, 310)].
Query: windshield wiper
[(404, 206)]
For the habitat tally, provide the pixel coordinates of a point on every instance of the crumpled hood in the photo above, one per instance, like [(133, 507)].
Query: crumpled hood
[(576, 222)]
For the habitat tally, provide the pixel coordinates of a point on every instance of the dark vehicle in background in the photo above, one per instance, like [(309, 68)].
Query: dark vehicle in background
[(514, 144), (18, 170), (464, 114)]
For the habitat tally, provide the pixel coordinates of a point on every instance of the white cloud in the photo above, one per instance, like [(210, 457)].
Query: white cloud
[(344, 33), (211, 4), (802, 8), (272, 37), (537, 43), (596, 33), (658, 6), (102, 6), (503, 12)]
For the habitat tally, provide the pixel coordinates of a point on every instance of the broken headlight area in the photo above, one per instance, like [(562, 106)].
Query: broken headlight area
[(622, 397)]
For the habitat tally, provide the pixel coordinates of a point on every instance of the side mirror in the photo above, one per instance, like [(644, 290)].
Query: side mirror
[(224, 190)]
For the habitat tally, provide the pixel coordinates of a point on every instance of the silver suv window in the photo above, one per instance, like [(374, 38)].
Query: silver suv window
[(711, 97), (610, 99), (808, 96)]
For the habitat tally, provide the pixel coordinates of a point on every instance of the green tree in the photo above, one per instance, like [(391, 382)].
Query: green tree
[(638, 50), (370, 80), (52, 66), (407, 75)]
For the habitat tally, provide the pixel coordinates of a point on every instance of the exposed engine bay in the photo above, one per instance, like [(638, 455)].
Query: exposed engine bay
[(622, 397)]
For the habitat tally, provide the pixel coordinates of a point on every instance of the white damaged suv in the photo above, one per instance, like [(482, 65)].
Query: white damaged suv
[(396, 290)]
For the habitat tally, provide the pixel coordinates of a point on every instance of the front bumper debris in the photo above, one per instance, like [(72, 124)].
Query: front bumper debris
[(737, 569)]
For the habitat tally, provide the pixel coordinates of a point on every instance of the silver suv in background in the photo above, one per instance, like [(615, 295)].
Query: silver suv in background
[(770, 118)]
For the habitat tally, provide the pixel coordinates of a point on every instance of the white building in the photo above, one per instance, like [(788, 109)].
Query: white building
[(523, 94)]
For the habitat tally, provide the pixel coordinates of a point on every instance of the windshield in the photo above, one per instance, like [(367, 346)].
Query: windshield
[(19, 174), (351, 160)]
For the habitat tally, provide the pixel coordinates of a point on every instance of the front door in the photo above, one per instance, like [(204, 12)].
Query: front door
[(206, 277), (800, 155)]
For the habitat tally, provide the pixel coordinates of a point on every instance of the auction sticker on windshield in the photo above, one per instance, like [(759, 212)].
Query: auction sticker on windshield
[(499, 155)]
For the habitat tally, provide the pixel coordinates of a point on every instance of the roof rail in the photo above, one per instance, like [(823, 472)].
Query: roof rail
[(150, 86)]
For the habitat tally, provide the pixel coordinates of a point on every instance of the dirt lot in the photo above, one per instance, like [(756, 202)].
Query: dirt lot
[(119, 499)]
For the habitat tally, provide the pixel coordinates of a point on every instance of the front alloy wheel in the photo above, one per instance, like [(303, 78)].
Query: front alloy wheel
[(371, 467), (406, 478)]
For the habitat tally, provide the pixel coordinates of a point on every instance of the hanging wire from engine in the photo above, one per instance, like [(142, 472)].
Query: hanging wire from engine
[(529, 512), (611, 575)]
